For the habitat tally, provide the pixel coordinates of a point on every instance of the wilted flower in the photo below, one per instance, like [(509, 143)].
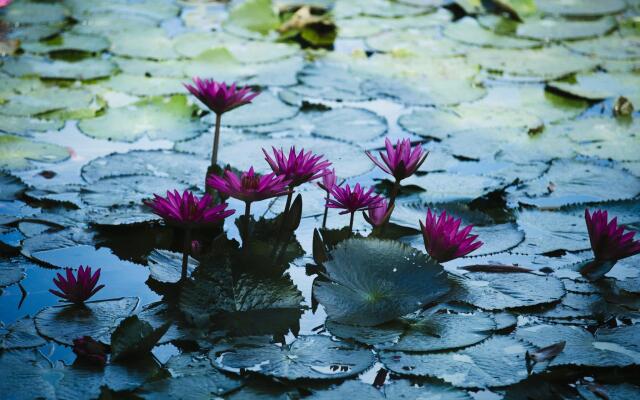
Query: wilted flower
[(89, 350), (609, 241), (443, 240), (77, 289), (352, 200), (298, 168), (188, 211), (400, 161), (379, 215), (218, 96), (249, 187)]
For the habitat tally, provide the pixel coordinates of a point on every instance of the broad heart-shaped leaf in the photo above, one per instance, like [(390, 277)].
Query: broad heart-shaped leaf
[(403, 389), (88, 68), (27, 375), (428, 331), (11, 271), (135, 337), (574, 182), (615, 347), (96, 319), (20, 335), (166, 266), (495, 291), (17, 151), (156, 117), (373, 281), (498, 361), (308, 357)]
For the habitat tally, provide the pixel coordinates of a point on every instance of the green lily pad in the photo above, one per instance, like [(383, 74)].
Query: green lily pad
[(11, 271), (467, 30), (20, 335), (610, 347), (86, 69), (31, 33), (135, 337), (573, 182), (10, 187), (581, 8), (439, 123), (26, 125), (97, 319), (364, 27), (379, 8), (30, 376), (257, 16), (442, 187), (108, 22), (144, 85), (601, 85), (308, 357), (577, 305), (145, 67), (16, 152), (557, 29), (157, 118), (189, 387), (428, 331), (613, 47), (349, 159), (535, 64), (384, 280), (264, 109), (416, 42), (497, 291), (67, 102), (146, 8), (148, 43), (68, 41), (403, 389), (547, 231), (362, 125), (613, 391), (166, 266), (498, 361), (349, 389), (127, 190), (32, 12)]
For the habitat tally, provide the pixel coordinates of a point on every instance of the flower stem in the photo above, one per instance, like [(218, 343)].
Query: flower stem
[(394, 193), (288, 204), (185, 253), (216, 141), (247, 214), (353, 214), (326, 212)]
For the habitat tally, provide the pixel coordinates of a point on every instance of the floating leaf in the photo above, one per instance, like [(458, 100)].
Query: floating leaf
[(128, 190), (255, 15), (20, 335), (32, 12), (157, 118), (190, 387), (97, 319), (166, 266), (134, 337), (557, 29), (546, 231), (601, 85), (443, 187), (150, 43), (30, 376), (581, 8), (467, 30), (68, 41), (362, 125), (308, 357), (384, 280), (17, 151), (70, 102), (264, 109), (88, 68), (496, 291), (612, 47), (403, 389), (498, 361), (415, 42), (27, 125), (145, 85), (11, 271), (349, 389)]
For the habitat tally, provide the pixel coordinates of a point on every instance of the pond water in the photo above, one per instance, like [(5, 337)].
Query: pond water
[(525, 107)]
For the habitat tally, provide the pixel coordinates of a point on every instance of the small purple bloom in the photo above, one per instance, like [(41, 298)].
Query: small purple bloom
[(218, 96), (249, 186), (329, 180), (443, 240), (77, 289), (378, 216), (89, 350), (400, 161), (353, 200), (297, 168), (188, 210), (609, 241)]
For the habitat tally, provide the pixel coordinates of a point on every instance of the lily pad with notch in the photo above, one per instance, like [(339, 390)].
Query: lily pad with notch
[(601, 85), (308, 357), (16, 152), (371, 281)]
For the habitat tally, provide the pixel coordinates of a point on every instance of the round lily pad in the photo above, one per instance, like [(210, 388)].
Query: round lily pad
[(416, 42), (11, 271), (557, 29), (16, 152), (380, 8), (128, 190), (403, 389), (108, 22), (349, 159), (264, 109), (442, 187), (612, 47), (85, 69), (148, 43), (20, 335), (537, 64), (385, 280), (145, 85), (166, 266), (32, 12), (496, 291), (601, 85), (308, 357), (349, 389), (190, 387), (30, 376), (581, 8), (77, 102), (424, 92), (145, 67), (498, 361), (146, 8), (361, 125), (68, 41), (10, 187), (96, 319), (26, 125), (157, 118), (467, 30), (31, 33), (546, 231)]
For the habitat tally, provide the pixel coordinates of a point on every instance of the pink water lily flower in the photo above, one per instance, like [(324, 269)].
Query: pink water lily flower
[(89, 350), (220, 97), (609, 241), (4, 3), (187, 210), (352, 200), (249, 186), (329, 179), (299, 167), (379, 215), (77, 289), (401, 160), (443, 239)]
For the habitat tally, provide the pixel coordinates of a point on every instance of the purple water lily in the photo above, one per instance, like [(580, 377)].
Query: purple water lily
[(89, 350), (609, 241), (443, 239), (380, 215), (352, 200), (187, 210), (220, 98), (77, 288)]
